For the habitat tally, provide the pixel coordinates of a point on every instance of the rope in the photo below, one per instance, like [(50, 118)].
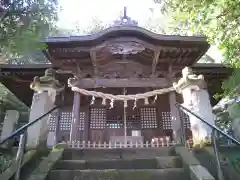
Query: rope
[(122, 97)]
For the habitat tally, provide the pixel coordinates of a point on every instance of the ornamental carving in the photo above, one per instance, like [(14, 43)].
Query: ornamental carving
[(46, 82), (124, 69), (189, 79), (125, 20), (125, 48)]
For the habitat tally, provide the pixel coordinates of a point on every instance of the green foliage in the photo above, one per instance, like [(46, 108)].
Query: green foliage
[(5, 162), (231, 87), (95, 26), (36, 57), (218, 20), (23, 23)]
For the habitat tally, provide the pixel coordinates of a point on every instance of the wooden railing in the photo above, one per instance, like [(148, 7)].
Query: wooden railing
[(112, 145)]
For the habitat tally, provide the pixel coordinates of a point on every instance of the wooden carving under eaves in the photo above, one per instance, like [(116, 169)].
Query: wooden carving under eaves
[(83, 71), (79, 71), (124, 69)]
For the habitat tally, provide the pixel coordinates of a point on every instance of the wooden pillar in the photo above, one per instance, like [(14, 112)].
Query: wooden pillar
[(75, 116), (175, 117), (176, 122)]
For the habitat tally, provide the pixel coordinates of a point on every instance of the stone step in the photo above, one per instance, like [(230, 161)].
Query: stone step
[(113, 174), (31, 166), (140, 163), (122, 153)]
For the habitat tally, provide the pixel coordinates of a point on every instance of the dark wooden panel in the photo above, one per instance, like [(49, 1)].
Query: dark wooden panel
[(134, 82), (97, 135)]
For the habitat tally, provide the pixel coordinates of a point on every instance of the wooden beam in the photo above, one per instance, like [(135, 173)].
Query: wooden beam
[(75, 115), (155, 62), (170, 74), (94, 62), (67, 49), (117, 83)]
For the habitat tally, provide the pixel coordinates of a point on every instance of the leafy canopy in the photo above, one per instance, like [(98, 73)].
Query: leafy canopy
[(23, 23), (219, 21)]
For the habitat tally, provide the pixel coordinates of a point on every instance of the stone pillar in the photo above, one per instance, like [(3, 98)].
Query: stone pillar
[(196, 98), (38, 132), (75, 117), (45, 89), (176, 123), (9, 123)]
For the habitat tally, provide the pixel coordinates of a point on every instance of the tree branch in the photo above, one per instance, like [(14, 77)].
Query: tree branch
[(224, 13), (3, 11)]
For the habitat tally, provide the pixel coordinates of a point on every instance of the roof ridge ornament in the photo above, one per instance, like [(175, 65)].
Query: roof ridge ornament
[(125, 20)]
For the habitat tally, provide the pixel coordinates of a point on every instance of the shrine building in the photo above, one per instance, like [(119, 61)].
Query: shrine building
[(123, 59)]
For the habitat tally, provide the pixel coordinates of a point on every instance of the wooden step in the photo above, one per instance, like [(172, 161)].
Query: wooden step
[(139, 163), (121, 153), (113, 174)]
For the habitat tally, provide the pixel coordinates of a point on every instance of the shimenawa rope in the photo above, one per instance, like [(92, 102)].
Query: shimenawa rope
[(122, 97)]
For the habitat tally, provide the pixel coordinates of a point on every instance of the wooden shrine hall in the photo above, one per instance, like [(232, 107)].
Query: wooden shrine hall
[(123, 59)]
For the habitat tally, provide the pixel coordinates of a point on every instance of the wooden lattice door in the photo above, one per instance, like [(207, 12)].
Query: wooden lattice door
[(167, 124), (166, 121), (65, 124), (52, 123), (186, 122), (149, 122), (97, 123), (148, 117), (114, 122), (80, 126), (133, 119)]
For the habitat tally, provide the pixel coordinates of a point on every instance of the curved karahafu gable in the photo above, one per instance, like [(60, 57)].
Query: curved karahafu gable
[(135, 31)]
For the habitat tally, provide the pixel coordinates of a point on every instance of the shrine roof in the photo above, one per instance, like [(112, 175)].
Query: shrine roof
[(124, 30), (134, 42)]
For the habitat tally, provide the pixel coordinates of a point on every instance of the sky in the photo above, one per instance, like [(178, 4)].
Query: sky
[(82, 12)]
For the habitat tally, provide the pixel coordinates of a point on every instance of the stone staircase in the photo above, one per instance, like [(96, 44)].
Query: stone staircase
[(119, 164)]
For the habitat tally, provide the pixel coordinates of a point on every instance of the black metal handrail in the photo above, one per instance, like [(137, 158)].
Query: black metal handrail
[(212, 126), (22, 129)]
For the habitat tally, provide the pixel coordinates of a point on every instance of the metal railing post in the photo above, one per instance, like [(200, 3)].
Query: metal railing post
[(217, 155), (20, 154)]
